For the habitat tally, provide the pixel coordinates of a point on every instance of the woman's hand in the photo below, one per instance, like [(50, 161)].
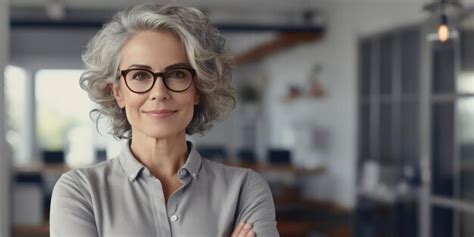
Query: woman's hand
[(243, 230)]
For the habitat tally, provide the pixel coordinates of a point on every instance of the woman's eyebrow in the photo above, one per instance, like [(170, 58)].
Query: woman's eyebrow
[(172, 66), (178, 65), (140, 66)]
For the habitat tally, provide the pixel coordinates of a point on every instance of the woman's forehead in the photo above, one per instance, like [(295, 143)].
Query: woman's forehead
[(156, 49)]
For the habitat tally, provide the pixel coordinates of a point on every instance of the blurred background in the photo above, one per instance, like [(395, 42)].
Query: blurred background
[(358, 113)]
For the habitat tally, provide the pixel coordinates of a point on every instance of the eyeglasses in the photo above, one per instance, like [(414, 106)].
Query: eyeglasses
[(140, 80)]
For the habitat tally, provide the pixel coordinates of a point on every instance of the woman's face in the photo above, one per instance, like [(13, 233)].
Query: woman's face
[(160, 112)]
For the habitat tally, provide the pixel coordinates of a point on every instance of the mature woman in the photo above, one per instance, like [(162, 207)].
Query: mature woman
[(159, 73)]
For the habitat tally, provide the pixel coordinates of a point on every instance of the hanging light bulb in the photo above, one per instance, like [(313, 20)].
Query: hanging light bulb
[(443, 29)]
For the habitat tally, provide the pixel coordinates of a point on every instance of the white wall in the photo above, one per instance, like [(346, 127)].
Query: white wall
[(336, 113), (228, 133), (4, 154)]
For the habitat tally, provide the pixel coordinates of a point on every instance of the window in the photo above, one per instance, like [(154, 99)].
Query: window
[(15, 96), (65, 130)]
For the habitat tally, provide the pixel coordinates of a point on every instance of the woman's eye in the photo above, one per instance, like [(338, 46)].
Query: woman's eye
[(177, 74), (141, 76)]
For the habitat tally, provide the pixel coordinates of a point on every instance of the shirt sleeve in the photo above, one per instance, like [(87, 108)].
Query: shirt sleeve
[(71, 212), (257, 207)]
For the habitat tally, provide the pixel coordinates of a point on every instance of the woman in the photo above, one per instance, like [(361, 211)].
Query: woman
[(159, 73)]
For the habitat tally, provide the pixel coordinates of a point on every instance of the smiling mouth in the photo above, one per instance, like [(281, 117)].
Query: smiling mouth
[(161, 114)]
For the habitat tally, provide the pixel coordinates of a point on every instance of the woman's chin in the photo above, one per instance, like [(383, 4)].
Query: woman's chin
[(161, 133)]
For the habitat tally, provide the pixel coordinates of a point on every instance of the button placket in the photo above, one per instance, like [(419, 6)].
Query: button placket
[(161, 212)]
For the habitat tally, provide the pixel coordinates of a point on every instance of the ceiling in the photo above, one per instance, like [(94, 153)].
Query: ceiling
[(267, 5), (263, 6), (242, 12), (221, 5), (267, 12)]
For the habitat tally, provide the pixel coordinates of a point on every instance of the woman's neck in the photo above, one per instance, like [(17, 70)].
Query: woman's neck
[(162, 156)]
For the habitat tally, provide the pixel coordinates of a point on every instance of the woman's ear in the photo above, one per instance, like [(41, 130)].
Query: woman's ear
[(118, 95)]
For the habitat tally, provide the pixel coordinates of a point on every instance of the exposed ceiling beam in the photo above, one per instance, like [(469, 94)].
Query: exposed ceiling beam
[(282, 41)]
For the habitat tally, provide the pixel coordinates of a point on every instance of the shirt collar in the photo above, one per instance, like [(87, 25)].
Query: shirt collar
[(193, 162), (130, 164), (132, 167)]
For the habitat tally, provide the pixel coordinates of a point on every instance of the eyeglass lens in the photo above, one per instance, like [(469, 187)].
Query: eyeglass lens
[(141, 80)]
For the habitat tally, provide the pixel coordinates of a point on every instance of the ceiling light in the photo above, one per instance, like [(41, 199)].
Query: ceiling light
[(444, 13)]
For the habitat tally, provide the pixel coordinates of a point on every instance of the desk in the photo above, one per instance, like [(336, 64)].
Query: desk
[(45, 169), (31, 231), (289, 169)]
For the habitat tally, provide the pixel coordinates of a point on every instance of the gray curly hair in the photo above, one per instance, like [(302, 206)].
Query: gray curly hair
[(205, 50)]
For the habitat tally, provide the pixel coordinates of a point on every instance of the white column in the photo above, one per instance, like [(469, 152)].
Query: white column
[(28, 153), (5, 155), (424, 199)]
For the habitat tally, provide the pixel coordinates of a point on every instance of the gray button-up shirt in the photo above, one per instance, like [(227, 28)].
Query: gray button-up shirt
[(120, 197)]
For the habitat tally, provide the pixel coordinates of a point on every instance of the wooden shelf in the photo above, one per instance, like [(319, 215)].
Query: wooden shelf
[(279, 168)]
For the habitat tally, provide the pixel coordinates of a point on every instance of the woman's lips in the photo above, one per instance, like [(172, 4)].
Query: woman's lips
[(161, 113)]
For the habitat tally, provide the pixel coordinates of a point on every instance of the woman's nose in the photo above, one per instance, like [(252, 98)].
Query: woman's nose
[(159, 90)]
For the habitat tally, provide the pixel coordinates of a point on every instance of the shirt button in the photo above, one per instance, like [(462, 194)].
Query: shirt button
[(174, 218), (183, 173)]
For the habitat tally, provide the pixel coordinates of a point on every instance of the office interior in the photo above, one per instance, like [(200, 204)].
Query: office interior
[(358, 113)]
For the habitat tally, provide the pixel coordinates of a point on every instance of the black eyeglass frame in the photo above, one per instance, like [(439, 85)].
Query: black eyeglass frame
[(155, 77)]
